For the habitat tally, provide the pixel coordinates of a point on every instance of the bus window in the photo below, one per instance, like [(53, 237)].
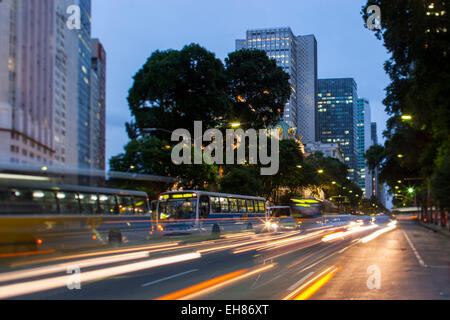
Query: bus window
[(88, 203), (250, 207), (224, 205), (107, 204), (43, 202), (215, 205), (242, 206), (22, 201), (204, 207), (140, 205), (68, 202), (177, 209), (232, 203), (153, 206), (261, 207), (125, 205)]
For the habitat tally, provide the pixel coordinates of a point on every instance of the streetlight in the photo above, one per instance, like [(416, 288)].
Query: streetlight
[(406, 117), (320, 171)]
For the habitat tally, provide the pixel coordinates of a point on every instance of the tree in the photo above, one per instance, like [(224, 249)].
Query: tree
[(242, 180), (257, 87), (415, 32), (175, 88), (150, 155)]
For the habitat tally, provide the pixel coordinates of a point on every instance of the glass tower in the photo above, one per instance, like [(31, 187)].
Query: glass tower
[(280, 45), (84, 61), (337, 118)]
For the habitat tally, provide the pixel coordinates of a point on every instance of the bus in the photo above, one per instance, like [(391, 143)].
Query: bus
[(36, 216), (312, 207), (190, 212)]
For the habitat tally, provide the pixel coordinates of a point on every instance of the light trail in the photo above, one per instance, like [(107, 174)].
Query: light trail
[(97, 253), (350, 231), (391, 226), (24, 254), (30, 287), (214, 284), (240, 244), (29, 273), (277, 244), (312, 286)]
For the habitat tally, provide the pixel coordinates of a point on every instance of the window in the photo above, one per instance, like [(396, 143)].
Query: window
[(215, 205), (68, 202), (242, 206), (224, 205), (88, 203), (125, 205), (107, 204), (140, 205), (250, 207), (233, 205), (204, 207), (261, 206)]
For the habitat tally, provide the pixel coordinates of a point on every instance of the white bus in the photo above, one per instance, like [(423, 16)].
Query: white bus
[(189, 212)]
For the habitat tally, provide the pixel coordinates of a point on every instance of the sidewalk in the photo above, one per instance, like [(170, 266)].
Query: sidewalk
[(442, 230)]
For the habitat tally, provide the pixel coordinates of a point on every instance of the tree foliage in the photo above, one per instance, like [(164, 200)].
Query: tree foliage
[(416, 34)]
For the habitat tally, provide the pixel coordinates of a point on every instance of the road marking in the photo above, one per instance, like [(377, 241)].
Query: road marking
[(168, 278), (415, 251), (340, 251), (299, 282), (214, 284)]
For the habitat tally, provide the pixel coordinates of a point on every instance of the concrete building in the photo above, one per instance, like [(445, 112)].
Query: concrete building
[(336, 115), (297, 55), (332, 150), (45, 84), (98, 104)]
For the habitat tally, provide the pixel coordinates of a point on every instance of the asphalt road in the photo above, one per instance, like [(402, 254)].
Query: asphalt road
[(372, 260)]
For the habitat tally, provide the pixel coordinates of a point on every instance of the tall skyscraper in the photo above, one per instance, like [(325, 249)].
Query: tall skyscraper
[(337, 115), (307, 87), (297, 55), (98, 103), (373, 133), (364, 128), (45, 89)]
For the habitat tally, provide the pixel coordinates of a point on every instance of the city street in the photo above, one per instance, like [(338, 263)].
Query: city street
[(330, 262)]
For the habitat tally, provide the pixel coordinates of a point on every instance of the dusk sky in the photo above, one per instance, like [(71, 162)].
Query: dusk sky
[(131, 30)]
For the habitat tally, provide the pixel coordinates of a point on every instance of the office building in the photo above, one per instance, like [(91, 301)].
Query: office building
[(364, 142), (297, 55), (336, 118), (45, 85)]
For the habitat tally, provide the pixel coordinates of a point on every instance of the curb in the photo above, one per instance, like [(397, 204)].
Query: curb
[(435, 228)]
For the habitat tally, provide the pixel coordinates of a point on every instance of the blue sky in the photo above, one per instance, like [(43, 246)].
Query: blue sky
[(131, 30)]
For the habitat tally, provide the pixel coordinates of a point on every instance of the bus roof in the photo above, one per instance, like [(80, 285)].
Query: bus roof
[(73, 188), (216, 194)]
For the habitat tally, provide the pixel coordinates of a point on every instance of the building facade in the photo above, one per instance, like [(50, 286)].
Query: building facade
[(332, 150), (336, 118), (45, 89), (364, 142), (297, 55)]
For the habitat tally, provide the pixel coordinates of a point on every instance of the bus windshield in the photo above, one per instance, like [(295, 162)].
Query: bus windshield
[(177, 209)]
